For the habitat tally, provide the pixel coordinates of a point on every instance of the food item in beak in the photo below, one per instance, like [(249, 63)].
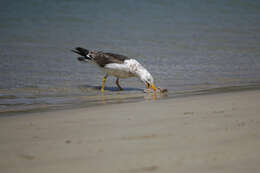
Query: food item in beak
[(162, 90)]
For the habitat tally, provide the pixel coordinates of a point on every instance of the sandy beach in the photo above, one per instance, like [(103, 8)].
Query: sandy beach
[(204, 133)]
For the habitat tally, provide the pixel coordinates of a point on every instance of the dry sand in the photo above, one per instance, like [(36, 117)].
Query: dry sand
[(207, 133)]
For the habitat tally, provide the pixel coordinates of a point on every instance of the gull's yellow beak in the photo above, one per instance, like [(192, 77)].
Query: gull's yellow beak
[(150, 85), (154, 88)]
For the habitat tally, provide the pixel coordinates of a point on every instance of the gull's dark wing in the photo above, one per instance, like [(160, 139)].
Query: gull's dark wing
[(103, 59)]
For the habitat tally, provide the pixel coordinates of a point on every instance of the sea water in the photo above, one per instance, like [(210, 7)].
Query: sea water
[(186, 45)]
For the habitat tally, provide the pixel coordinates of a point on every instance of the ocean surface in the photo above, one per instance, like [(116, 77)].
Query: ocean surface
[(196, 45)]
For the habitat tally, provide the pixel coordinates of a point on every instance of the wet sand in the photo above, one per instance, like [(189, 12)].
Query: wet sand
[(204, 133)]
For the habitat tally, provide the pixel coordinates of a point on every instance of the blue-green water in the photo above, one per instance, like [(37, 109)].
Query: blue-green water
[(186, 45)]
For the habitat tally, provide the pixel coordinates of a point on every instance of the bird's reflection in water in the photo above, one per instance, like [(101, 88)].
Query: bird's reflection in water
[(153, 95)]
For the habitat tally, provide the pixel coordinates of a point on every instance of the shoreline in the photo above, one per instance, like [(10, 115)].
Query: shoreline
[(119, 98), (199, 133)]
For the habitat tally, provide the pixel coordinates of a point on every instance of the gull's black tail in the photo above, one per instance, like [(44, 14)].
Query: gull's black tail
[(81, 51)]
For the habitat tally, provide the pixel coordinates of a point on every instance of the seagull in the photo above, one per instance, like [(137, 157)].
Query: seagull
[(116, 65)]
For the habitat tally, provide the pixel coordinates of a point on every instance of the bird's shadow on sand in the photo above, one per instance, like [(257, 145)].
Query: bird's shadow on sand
[(113, 89)]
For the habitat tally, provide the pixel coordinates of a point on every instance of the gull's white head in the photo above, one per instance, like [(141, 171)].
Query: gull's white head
[(147, 78), (140, 72)]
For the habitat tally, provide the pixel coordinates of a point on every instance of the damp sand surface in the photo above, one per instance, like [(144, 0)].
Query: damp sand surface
[(199, 133)]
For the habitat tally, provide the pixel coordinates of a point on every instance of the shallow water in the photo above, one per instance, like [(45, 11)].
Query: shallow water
[(186, 45)]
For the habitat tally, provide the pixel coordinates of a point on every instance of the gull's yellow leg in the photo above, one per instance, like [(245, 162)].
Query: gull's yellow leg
[(117, 83), (103, 83)]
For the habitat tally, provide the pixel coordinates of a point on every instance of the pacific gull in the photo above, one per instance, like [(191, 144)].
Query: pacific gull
[(116, 65)]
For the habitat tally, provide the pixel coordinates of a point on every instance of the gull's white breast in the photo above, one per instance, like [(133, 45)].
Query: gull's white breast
[(125, 70)]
